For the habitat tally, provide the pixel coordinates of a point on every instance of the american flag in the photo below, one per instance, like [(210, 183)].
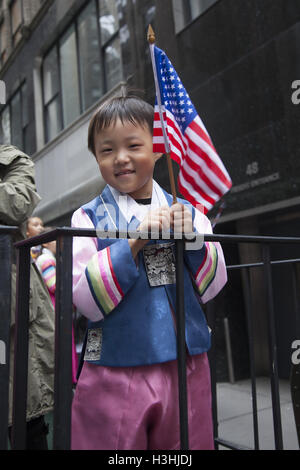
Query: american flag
[(202, 179)]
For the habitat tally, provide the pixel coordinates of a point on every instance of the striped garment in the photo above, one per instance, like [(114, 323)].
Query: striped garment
[(207, 270), (102, 281), (47, 266)]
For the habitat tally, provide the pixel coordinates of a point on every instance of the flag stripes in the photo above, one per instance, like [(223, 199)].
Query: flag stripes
[(203, 178)]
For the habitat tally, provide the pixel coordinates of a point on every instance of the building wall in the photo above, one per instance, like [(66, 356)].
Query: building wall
[(238, 61), (238, 65), (66, 173)]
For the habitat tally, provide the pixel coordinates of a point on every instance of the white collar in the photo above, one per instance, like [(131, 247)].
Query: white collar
[(129, 207)]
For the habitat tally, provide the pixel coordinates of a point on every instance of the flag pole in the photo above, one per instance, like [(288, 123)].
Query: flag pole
[(151, 40), (180, 315)]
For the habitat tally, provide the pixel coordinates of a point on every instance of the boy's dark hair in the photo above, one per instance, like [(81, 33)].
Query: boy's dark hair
[(126, 108)]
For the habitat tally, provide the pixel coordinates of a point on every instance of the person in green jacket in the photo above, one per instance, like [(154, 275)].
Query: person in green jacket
[(18, 198)]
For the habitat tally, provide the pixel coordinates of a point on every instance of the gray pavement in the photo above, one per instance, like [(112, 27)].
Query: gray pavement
[(235, 414)]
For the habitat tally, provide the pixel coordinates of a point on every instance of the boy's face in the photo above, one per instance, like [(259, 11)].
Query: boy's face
[(125, 157)]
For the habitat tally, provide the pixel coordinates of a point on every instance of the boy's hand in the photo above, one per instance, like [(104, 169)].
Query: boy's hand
[(177, 217), (156, 220), (181, 218)]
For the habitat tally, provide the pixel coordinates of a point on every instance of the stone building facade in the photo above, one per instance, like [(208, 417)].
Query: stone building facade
[(239, 62)]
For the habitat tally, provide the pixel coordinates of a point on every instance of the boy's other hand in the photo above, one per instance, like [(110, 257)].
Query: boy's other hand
[(181, 218)]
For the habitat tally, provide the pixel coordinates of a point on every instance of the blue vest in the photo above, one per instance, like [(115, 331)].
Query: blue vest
[(140, 330)]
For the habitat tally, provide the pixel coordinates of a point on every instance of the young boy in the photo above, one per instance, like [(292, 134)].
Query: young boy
[(127, 396)]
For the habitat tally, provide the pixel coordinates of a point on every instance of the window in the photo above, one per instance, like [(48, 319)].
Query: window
[(53, 120), (16, 15), (109, 26), (83, 64), (91, 78), (14, 120), (186, 11), (3, 43), (69, 76), (5, 126)]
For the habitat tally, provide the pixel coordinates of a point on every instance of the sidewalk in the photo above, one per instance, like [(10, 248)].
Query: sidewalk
[(235, 414)]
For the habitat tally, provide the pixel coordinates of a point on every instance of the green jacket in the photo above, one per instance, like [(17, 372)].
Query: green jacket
[(18, 198)]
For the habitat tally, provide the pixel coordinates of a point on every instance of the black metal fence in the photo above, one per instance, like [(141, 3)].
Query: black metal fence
[(63, 325), (267, 266), (6, 251)]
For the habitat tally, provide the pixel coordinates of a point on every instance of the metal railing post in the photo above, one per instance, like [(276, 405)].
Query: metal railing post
[(296, 297), (21, 349), (295, 368), (5, 318), (63, 338), (210, 315), (63, 345), (272, 349), (181, 355), (248, 303)]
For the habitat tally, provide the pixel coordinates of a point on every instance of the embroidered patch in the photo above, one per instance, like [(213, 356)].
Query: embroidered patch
[(160, 264), (93, 345)]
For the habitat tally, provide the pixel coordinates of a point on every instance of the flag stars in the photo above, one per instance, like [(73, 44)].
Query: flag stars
[(175, 98)]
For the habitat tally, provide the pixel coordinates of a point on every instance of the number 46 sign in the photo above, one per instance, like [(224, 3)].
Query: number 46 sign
[(252, 169)]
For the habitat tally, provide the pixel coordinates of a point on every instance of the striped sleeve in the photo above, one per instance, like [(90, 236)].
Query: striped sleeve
[(101, 278), (84, 248), (207, 264), (207, 269), (47, 267), (108, 280)]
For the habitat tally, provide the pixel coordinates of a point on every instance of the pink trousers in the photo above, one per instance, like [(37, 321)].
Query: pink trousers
[(136, 408)]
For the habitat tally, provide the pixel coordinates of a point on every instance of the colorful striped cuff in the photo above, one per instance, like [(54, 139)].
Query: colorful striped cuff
[(48, 270), (102, 281), (207, 270)]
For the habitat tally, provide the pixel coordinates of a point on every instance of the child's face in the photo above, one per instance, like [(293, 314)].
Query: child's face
[(125, 157), (35, 226)]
